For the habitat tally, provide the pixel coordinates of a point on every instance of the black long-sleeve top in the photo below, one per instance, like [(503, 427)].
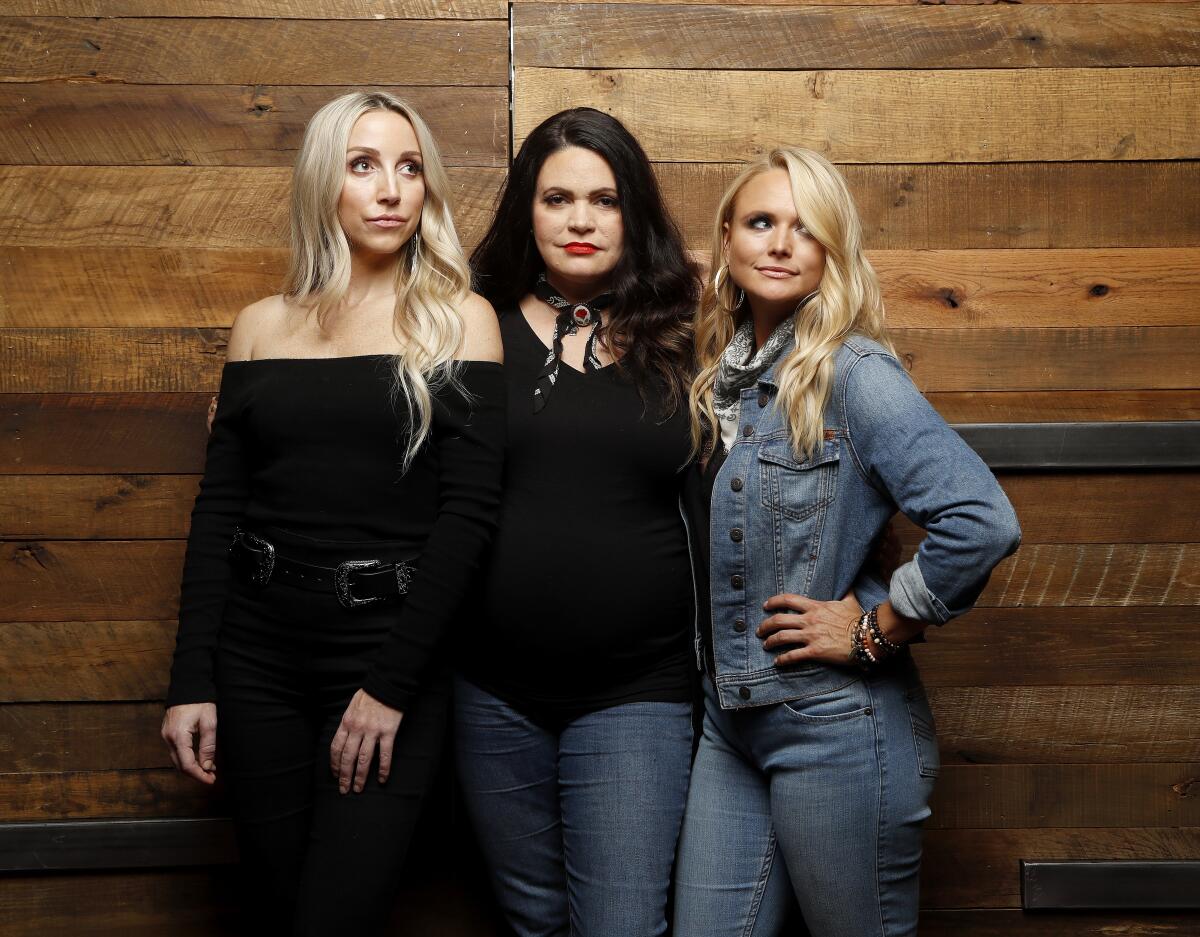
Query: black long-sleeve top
[(314, 446)]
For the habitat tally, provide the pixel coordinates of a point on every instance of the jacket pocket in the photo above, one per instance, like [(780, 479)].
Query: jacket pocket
[(924, 732), (796, 488)]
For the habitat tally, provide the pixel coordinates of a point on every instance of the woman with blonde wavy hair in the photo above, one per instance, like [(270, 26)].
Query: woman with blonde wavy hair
[(354, 465), (814, 772)]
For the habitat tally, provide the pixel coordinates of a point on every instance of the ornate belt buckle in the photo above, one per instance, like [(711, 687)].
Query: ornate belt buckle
[(264, 562), (404, 574), (341, 583)]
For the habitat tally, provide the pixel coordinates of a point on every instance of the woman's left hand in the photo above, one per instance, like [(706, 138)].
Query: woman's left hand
[(803, 629), (365, 724)]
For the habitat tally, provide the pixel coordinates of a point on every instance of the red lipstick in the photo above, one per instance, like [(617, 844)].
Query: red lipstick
[(580, 247)]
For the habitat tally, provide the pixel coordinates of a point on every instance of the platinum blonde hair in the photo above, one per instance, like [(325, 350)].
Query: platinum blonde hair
[(432, 278), (847, 301)]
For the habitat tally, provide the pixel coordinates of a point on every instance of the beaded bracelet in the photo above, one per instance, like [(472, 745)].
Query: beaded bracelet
[(860, 653), (886, 646)]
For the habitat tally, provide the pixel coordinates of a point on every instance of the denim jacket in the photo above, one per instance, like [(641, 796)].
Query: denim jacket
[(807, 525)]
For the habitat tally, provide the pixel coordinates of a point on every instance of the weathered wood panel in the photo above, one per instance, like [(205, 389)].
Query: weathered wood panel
[(48, 287), (56, 737), (1055, 647), (115, 507), (1067, 406), (254, 52), (281, 9), (102, 433), (173, 206), (1125, 358), (740, 36), (1014, 923), (114, 661), (1067, 724), (79, 795), (1002, 205), (980, 868), (93, 661), (981, 115), (1069, 796), (114, 125)]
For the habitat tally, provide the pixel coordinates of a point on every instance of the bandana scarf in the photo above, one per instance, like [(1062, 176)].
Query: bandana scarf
[(735, 373), (571, 317)]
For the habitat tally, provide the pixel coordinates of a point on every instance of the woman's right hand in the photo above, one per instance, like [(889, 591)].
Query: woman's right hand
[(182, 727)]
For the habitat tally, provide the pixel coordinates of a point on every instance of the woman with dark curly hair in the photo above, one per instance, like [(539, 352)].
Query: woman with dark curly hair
[(573, 717)]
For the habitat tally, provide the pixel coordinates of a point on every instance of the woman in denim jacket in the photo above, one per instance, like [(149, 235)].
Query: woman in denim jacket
[(818, 754)]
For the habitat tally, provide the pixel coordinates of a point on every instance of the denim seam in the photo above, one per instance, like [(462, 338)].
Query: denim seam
[(861, 356), (761, 888), (880, 806)]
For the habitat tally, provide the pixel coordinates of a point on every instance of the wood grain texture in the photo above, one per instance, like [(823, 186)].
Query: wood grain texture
[(177, 207), (981, 115), (57, 737), (741, 36), (62, 580), (1067, 406), (1065, 796), (45, 287), (84, 360), (254, 52), (980, 868), (1049, 724), (1014, 923), (1031, 647), (83, 795), (102, 433), (113, 507), (205, 125), (280, 9), (94, 661), (981, 206)]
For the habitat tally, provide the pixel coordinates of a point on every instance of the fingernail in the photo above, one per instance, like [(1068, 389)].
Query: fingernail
[(208, 766), (358, 788), (342, 788)]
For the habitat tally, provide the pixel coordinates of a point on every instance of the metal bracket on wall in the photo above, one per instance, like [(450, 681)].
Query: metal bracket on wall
[(1107, 886), (115, 844), (1100, 446)]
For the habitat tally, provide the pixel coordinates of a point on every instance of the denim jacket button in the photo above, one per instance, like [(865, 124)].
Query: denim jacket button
[(739, 625), (736, 535), (763, 399), (744, 692), (736, 581), (747, 430), (736, 484)]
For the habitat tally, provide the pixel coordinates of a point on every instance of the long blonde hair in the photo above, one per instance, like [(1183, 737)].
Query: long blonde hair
[(432, 278), (847, 301)]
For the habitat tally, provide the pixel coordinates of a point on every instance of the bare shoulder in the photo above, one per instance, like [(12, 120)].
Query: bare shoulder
[(481, 337), (252, 323)]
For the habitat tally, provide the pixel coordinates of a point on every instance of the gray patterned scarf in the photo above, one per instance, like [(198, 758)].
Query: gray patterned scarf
[(735, 373)]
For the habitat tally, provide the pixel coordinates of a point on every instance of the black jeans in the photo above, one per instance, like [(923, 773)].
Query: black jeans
[(315, 862)]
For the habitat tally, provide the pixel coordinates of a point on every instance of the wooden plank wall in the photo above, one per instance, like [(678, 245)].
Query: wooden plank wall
[(1029, 180)]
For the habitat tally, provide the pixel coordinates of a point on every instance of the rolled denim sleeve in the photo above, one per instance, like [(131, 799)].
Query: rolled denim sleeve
[(906, 451)]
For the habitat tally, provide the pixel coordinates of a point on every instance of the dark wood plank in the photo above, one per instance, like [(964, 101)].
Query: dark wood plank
[(110, 580), (1014, 923), (254, 52), (1066, 406), (979, 868), (1033, 647), (177, 206), (83, 795), (94, 661), (117, 844), (114, 507), (57, 737), (280, 9), (86, 360), (1015, 205), (181, 125), (753, 37), (1037, 725), (102, 433), (978, 115), (1068, 796)]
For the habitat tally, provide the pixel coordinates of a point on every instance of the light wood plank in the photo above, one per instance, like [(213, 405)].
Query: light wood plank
[(981, 115), (177, 207), (254, 52), (980, 205), (207, 125), (1050, 724), (1067, 406), (744, 36), (281, 9)]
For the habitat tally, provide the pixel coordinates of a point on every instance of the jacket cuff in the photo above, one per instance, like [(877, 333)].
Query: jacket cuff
[(911, 598)]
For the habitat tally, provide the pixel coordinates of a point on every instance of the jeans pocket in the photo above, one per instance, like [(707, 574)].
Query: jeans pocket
[(924, 732), (849, 701)]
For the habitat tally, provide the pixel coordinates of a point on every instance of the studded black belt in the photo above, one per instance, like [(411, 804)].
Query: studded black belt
[(354, 582)]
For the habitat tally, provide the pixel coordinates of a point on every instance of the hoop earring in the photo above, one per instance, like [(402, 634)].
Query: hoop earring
[(723, 272), (414, 253)]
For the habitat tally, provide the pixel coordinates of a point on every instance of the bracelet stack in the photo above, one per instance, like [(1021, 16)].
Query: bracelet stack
[(861, 654)]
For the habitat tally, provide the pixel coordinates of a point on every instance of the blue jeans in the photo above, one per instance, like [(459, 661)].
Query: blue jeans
[(818, 800), (578, 826)]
